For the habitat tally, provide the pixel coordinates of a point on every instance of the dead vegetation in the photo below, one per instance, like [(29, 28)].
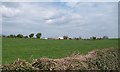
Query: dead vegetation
[(106, 59)]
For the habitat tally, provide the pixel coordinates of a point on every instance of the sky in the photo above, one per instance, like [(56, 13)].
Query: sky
[(60, 0), (55, 19)]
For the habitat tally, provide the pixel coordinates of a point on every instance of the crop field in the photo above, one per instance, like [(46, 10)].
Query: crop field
[(28, 49), (0, 50)]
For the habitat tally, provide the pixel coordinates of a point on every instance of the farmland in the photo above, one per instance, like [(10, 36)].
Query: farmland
[(28, 49), (0, 50)]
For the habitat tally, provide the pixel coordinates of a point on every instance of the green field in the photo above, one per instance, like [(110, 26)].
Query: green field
[(28, 49), (0, 50)]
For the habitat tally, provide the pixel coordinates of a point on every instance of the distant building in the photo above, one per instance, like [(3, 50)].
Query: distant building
[(60, 38), (45, 38)]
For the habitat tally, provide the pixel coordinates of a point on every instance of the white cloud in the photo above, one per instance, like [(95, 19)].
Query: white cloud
[(9, 12), (71, 4), (89, 0), (39, 11), (76, 16), (27, 0), (49, 21), (60, 0)]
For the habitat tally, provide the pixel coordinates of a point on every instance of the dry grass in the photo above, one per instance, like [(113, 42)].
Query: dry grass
[(106, 59)]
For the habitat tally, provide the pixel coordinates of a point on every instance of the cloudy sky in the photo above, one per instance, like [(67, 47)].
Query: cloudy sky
[(55, 19), (60, 0)]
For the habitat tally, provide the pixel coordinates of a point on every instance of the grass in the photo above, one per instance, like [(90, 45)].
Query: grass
[(0, 50), (28, 49)]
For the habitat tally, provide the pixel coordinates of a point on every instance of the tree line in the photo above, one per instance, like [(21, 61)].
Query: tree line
[(38, 35), (92, 38)]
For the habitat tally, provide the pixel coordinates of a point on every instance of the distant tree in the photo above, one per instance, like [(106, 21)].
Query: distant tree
[(65, 37), (80, 37), (8, 36), (25, 36), (70, 38), (31, 35), (20, 36), (11, 36), (4, 36), (93, 37), (99, 38), (105, 37), (76, 38), (38, 35), (14, 36)]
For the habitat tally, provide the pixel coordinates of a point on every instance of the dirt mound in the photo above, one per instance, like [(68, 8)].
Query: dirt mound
[(106, 59)]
